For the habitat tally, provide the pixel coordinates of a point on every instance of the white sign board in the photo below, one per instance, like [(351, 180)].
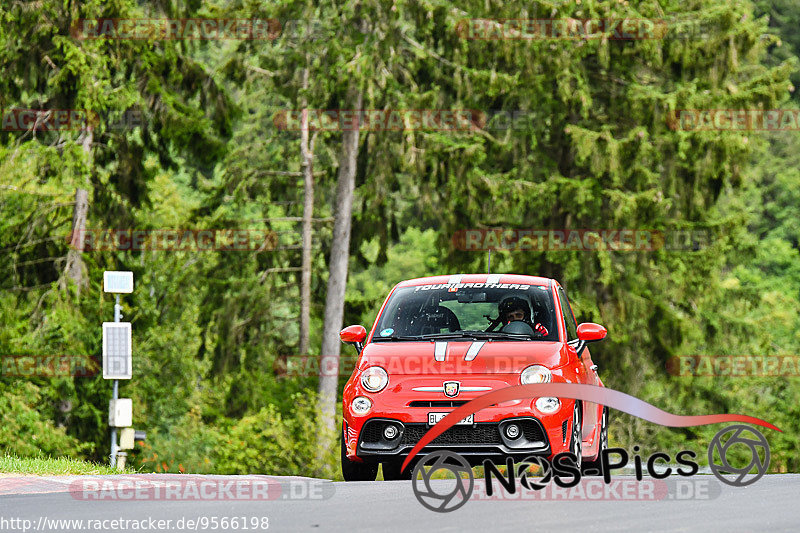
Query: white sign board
[(120, 413), (117, 350), (118, 282)]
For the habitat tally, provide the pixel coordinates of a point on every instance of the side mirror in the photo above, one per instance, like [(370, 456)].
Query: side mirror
[(589, 332), (355, 335)]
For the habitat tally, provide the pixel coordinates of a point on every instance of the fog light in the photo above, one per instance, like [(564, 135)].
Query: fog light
[(390, 432), (548, 405), (361, 405), (512, 431)]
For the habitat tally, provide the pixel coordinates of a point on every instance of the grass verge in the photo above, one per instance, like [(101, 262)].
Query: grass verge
[(50, 466)]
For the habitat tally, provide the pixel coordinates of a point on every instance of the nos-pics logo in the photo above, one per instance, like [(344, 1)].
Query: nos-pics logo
[(443, 481)]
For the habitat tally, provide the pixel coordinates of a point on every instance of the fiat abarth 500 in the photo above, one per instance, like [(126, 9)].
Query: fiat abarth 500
[(441, 341)]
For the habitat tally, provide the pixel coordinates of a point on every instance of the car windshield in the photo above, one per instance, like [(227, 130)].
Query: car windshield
[(469, 310)]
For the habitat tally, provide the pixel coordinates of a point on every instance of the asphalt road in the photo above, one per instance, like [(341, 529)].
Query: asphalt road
[(302, 504)]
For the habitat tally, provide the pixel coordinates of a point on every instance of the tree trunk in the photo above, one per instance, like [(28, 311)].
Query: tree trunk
[(307, 153), (74, 268), (337, 281)]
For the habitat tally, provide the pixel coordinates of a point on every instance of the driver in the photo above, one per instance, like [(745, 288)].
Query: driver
[(515, 308)]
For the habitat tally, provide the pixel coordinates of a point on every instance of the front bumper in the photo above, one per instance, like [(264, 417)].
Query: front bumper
[(477, 441), (408, 400)]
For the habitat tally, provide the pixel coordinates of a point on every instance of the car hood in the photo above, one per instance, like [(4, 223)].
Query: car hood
[(461, 356)]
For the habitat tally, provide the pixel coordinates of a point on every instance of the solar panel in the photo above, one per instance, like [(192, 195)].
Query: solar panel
[(117, 350)]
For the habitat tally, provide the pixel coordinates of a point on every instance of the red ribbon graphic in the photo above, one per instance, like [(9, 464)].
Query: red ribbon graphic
[(588, 393)]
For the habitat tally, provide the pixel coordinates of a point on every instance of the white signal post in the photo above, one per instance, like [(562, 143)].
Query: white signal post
[(117, 356)]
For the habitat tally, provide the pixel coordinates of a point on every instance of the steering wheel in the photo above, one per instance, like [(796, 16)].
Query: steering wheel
[(519, 327)]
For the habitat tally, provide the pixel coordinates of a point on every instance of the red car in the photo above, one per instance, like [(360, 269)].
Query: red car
[(441, 341)]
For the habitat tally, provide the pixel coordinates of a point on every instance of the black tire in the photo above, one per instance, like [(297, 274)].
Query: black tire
[(352, 471), (576, 435), (595, 468), (391, 471)]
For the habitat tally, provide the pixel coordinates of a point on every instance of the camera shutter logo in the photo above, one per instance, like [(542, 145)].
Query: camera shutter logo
[(447, 498), (743, 436)]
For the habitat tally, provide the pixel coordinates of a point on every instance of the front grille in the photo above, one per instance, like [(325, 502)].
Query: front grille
[(437, 403), (482, 434), (532, 431), (478, 434), (372, 432)]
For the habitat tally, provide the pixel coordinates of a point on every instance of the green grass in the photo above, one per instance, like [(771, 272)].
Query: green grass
[(49, 466)]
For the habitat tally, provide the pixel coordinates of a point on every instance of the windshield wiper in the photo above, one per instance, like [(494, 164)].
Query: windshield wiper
[(397, 338), (459, 335), (503, 335), (426, 337)]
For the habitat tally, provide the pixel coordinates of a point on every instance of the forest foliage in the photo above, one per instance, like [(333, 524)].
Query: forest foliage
[(594, 148)]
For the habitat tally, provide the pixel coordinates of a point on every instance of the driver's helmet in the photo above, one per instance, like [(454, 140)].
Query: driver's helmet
[(511, 304)]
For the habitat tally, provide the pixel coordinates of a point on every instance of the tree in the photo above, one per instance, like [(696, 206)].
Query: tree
[(307, 155), (340, 254)]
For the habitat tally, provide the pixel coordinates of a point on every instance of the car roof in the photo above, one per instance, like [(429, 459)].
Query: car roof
[(477, 278)]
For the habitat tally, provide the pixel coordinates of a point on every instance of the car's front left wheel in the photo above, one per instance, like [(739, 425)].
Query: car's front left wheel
[(576, 437), (352, 471), (595, 468)]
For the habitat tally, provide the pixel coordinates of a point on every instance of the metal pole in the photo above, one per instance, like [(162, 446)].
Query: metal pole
[(114, 447), (115, 393)]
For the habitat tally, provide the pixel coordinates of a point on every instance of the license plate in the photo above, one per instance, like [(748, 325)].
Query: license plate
[(434, 418)]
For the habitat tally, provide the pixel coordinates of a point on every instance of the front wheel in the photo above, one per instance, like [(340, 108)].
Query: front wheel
[(595, 468), (576, 438), (352, 471)]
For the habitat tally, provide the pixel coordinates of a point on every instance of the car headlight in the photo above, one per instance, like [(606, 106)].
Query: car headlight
[(361, 405), (374, 379), (535, 374), (548, 405)]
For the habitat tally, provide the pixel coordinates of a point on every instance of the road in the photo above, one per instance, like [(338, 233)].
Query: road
[(304, 504)]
